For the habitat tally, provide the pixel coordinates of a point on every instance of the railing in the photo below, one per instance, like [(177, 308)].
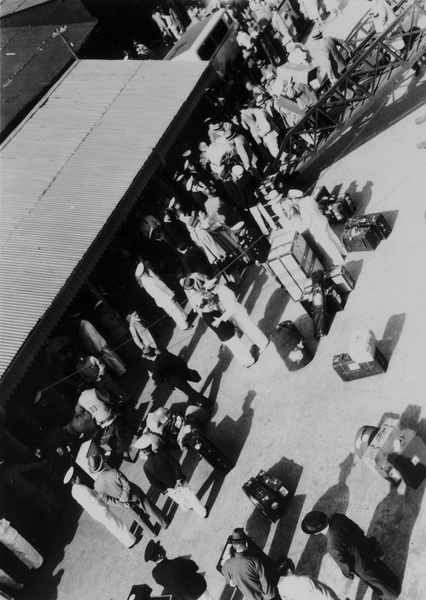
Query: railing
[(369, 68)]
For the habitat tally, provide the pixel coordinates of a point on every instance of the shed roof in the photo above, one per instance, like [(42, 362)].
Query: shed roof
[(75, 160), (31, 60), (9, 7)]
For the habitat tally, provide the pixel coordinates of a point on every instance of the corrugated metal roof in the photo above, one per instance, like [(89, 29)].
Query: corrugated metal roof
[(65, 170), (9, 7), (31, 59)]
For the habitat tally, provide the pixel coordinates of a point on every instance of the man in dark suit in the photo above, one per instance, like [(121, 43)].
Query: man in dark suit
[(165, 366), (194, 260), (113, 488), (178, 576), (353, 552)]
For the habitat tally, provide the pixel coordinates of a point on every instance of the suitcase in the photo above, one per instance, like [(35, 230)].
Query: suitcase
[(292, 261), (397, 453), (270, 502), (273, 483), (341, 279), (359, 239), (318, 308), (382, 227), (349, 370), (291, 346), (320, 193), (409, 457), (334, 301), (207, 450), (299, 73)]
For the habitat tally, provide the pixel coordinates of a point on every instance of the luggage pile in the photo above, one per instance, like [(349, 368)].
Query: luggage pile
[(268, 494), (363, 359), (365, 233), (337, 208)]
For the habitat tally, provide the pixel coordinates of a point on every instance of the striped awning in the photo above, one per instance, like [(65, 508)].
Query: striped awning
[(70, 174)]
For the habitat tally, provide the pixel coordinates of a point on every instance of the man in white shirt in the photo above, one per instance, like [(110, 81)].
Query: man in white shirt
[(302, 587)]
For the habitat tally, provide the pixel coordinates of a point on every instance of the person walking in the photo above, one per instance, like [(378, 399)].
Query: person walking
[(115, 489), (209, 311), (165, 473), (179, 576), (327, 56), (292, 586), (353, 552), (165, 366), (235, 312), (98, 509), (246, 571), (139, 331), (161, 294)]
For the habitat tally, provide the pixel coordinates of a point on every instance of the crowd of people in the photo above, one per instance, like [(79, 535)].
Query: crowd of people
[(214, 218)]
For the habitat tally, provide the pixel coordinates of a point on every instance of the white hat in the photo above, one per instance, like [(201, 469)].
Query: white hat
[(140, 269), (68, 475), (294, 193), (238, 226), (172, 202), (237, 170), (274, 196)]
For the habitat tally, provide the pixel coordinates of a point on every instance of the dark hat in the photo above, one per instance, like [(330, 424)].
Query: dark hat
[(151, 550), (238, 535), (316, 34), (188, 283), (95, 463), (314, 522)]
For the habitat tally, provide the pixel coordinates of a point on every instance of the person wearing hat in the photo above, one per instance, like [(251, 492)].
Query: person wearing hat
[(247, 571), (194, 259), (240, 187), (178, 576), (280, 26), (292, 586), (92, 372), (165, 473), (163, 366), (98, 509), (139, 331), (327, 56), (225, 330), (235, 312), (162, 295), (298, 54), (174, 229), (353, 552), (261, 126), (115, 489), (242, 149), (310, 10), (97, 346)]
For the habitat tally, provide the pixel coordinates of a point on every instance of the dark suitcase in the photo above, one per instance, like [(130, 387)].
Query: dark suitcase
[(291, 346), (207, 450), (409, 458), (334, 301), (341, 279), (359, 239), (320, 194), (268, 501), (349, 370), (318, 305), (273, 483), (381, 226)]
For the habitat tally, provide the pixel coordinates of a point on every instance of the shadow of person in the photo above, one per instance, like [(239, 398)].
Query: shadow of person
[(335, 499), (391, 335), (361, 198), (256, 284), (274, 310), (230, 436), (214, 378)]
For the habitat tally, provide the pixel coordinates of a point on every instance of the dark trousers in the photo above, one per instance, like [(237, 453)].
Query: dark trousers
[(384, 582), (194, 396), (145, 510)]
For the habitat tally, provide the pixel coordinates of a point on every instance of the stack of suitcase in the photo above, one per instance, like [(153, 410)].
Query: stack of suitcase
[(292, 261), (337, 208), (365, 233), (268, 494), (207, 450), (396, 453)]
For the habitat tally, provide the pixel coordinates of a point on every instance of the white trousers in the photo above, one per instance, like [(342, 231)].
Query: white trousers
[(185, 497), (328, 242), (241, 353), (261, 215), (19, 546), (108, 519), (175, 311), (252, 331)]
